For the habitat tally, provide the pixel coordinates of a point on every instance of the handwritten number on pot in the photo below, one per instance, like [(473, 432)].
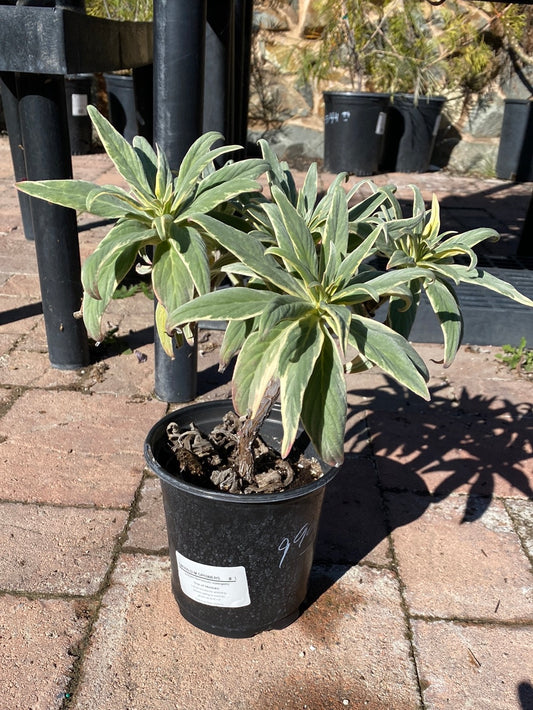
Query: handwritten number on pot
[(285, 544)]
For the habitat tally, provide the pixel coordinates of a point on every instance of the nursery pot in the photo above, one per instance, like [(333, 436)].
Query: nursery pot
[(515, 152), (240, 563), (78, 94), (122, 105), (412, 126), (354, 124)]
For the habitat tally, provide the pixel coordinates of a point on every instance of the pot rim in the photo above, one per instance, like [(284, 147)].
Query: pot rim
[(159, 429)]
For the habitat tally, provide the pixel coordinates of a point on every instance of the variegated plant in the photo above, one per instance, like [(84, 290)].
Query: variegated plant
[(152, 219), (306, 314)]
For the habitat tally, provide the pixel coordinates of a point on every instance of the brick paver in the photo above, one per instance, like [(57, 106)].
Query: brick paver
[(39, 641), (324, 660)]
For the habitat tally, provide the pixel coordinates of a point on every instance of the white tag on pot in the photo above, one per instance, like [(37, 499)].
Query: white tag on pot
[(380, 125), (213, 586), (79, 105)]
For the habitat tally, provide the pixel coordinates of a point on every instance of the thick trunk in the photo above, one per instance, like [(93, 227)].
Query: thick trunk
[(250, 428)]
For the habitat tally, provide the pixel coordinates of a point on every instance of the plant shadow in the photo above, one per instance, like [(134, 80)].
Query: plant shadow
[(475, 445)]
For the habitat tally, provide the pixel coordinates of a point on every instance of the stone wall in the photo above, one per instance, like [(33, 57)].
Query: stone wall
[(292, 114)]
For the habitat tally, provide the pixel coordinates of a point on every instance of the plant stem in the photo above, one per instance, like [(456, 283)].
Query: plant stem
[(249, 429)]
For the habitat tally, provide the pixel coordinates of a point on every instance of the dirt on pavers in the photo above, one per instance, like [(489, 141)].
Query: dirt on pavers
[(470, 551), (39, 640), (144, 655), (472, 666)]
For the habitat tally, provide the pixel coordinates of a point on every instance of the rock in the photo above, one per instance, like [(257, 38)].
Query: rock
[(474, 158), (298, 145), (269, 19), (485, 120)]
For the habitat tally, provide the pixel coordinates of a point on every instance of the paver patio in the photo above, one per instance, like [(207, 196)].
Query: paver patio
[(421, 596)]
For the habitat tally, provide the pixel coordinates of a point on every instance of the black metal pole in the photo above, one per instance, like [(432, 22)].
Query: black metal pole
[(10, 103), (219, 80), (179, 48), (243, 44), (44, 129)]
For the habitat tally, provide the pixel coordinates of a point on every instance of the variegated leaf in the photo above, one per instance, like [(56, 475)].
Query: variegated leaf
[(324, 405)]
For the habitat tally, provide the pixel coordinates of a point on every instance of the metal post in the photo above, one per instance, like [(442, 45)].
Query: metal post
[(179, 47), (219, 79), (243, 44), (10, 103), (44, 128)]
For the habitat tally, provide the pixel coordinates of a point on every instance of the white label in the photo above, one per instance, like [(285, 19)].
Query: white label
[(213, 586), (437, 124), (380, 126), (79, 104)]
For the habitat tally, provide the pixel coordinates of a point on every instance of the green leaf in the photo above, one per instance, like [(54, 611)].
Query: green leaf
[(293, 264), (236, 303), (445, 306), (160, 321), (257, 364), (113, 202), (400, 260), (216, 195), (324, 405), (338, 319), (468, 239), (195, 161), (378, 284), (278, 173), (308, 194), (297, 361), (367, 207), (163, 177), (322, 209), (291, 231), (122, 154), (67, 193), (109, 273), (478, 277), (234, 337), (249, 169), (249, 249), (191, 249), (282, 307), (400, 318), (391, 352), (170, 277), (148, 158), (127, 236), (351, 263), (335, 236), (93, 310)]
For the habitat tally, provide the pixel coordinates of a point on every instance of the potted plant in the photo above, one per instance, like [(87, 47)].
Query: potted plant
[(241, 518), (407, 50)]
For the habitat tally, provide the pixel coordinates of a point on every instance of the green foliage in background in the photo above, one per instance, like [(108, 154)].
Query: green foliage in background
[(517, 358), (133, 10)]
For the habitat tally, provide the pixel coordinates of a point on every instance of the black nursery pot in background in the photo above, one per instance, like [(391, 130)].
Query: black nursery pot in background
[(240, 563), (78, 89), (412, 126), (354, 124), (122, 106), (515, 152)]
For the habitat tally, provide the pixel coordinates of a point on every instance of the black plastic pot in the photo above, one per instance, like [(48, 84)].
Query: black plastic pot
[(240, 563), (78, 92), (121, 104), (412, 126), (354, 124), (515, 153)]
